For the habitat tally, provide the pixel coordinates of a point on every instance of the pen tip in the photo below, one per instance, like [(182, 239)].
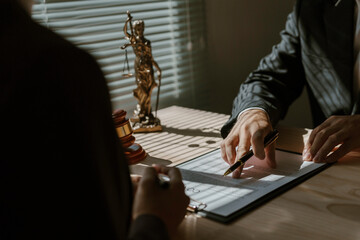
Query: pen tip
[(226, 173)]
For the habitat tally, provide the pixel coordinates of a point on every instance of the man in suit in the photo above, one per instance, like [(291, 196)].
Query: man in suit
[(63, 174), (316, 51)]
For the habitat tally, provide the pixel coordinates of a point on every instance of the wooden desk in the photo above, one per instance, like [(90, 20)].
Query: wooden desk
[(326, 206)]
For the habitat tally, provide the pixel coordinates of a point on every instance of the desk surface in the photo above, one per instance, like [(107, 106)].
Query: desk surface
[(326, 206)]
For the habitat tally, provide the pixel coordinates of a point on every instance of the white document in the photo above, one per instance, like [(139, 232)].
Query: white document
[(226, 197)]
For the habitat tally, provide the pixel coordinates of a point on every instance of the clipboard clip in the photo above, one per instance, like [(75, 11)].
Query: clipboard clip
[(195, 206)]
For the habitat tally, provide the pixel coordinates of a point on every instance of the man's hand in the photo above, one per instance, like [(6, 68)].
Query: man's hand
[(250, 130), (344, 130), (169, 204)]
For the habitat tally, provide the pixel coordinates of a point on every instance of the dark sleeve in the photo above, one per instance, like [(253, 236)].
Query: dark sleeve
[(84, 174), (148, 227), (111, 175), (278, 80), (63, 174), (94, 113)]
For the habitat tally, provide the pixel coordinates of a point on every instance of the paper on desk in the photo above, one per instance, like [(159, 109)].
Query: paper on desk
[(204, 181)]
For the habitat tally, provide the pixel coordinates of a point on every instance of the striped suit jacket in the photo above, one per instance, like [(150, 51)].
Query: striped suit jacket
[(316, 52)]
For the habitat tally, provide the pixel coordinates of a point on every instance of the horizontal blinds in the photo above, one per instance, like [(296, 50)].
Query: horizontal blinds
[(175, 29)]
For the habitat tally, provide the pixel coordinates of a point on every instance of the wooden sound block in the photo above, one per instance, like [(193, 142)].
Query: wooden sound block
[(133, 151)]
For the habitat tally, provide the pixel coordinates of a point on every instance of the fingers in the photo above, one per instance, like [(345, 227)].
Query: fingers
[(323, 140), (237, 172), (149, 175), (160, 168), (173, 173), (228, 148), (175, 178), (257, 143), (314, 133), (223, 152), (249, 130), (339, 153), (169, 204), (317, 137), (270, 155), (307, 154), (135, 179), (270, 159), (243, 147), (334, 131), (321, 150)]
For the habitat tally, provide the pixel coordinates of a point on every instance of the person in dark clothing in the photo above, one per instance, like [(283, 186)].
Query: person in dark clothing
[(63, 174), (319, 50)]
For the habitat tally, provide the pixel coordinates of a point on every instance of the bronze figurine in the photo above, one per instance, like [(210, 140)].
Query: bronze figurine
[(144, 120)]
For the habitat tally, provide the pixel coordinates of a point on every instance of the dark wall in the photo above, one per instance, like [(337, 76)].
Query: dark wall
[(239, 33)]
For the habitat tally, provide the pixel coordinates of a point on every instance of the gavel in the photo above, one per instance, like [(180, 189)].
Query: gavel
[(133, 151)]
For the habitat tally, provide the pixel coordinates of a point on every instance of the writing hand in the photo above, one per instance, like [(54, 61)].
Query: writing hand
[(249, 130), (335, 130), (135, 179), (169, 204)]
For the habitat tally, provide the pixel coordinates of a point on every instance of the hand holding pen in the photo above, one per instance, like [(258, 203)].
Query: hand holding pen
[(269, 139), (249, 130), (167, 203)]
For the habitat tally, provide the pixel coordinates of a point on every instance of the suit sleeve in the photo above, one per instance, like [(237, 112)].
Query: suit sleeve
[(278, 80)]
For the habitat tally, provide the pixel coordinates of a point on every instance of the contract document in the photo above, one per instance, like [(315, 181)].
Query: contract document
[(224, 198)]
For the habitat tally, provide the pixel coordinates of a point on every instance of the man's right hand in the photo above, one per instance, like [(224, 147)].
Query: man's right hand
[(249, 130), (169, 204)]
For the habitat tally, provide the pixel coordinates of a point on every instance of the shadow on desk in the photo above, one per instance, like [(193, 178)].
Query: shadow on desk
[(200, 132), (139, 168), (175, 145), (150, 160)]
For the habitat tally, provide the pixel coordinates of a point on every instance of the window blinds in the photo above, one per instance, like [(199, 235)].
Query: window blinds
[(174, 27)]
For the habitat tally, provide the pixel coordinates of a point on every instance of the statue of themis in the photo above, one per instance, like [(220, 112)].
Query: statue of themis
[(144, 120)]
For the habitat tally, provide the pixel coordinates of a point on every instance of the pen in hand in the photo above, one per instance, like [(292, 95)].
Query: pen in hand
[(270, 138), (164, 182)]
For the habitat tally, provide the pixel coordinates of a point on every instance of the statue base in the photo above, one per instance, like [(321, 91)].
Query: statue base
[(146, 124)]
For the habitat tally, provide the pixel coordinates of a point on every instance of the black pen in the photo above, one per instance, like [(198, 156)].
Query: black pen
[(270, 138)]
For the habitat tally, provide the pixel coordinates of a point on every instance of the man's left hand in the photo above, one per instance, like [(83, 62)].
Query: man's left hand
[(344, 130)]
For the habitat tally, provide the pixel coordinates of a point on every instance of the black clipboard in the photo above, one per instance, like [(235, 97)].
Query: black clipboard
[(201, 171)]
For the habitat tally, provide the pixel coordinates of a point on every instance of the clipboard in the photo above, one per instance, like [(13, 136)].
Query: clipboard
[(223, 198)]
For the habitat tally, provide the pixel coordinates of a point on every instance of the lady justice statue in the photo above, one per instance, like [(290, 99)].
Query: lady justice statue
[(144, 120)]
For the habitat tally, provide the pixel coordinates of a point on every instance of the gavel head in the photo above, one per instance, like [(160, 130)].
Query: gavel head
[(123, 128), (119, 116), (133, 151)]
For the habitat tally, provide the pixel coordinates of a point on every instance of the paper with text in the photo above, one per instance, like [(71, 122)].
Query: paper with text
[(223, 196)]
